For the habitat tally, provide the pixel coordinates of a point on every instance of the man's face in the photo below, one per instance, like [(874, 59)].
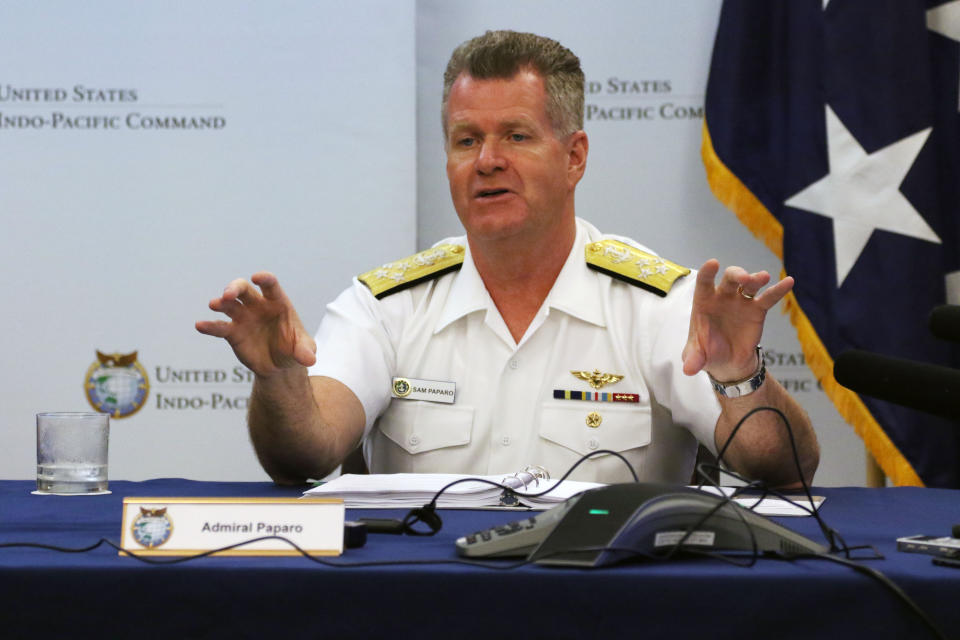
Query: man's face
[(508, 172)]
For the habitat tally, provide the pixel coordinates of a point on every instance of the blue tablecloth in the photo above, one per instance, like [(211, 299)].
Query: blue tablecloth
[(51, 594)]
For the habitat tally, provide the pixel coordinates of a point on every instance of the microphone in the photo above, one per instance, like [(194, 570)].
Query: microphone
[(945, 322), (926, 387)]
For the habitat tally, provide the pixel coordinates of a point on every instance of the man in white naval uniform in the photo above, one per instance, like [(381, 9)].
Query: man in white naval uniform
[(535, 339)]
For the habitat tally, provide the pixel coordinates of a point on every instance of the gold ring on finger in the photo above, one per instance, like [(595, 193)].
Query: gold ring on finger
[(748, 296)]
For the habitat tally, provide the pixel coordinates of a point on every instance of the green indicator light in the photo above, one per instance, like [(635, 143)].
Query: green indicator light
[(599, 512)]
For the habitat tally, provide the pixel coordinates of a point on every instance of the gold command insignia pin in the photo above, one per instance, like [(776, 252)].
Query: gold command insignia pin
[(596, 379), (594, 419), (401, 387)]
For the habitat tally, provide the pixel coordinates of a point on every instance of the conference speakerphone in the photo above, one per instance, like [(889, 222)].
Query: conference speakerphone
[(620, 521)]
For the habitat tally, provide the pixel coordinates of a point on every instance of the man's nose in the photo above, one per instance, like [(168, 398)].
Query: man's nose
[(491, 158)]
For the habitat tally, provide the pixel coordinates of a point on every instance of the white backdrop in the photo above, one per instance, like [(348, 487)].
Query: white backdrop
[(116, 239), (323, 158)]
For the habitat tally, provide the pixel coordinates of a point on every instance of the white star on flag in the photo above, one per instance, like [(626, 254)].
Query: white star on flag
[(945, 20), (862, 193)]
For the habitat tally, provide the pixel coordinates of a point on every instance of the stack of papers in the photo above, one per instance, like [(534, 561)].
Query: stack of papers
[(769, 506), (407, 490)]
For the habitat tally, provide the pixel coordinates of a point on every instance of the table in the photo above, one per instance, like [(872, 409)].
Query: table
[(60, 595)]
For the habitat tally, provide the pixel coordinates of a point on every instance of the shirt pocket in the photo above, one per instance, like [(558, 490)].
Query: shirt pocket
[(418, 427), (620, 428)]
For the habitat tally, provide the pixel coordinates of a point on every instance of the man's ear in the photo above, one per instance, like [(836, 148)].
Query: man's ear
[(578, 146)]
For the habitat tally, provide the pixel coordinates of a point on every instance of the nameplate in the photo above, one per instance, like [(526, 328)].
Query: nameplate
[(187, 526), (431, 390)]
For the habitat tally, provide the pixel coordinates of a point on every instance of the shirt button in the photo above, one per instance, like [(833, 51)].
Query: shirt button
[(514, 364), (414, 440), (505, 440), (593, 444)]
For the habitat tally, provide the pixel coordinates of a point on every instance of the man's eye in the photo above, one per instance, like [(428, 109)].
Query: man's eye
[(465, 142), (518, 137)]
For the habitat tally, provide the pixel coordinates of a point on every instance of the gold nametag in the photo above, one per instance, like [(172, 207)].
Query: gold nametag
[(186, 526)]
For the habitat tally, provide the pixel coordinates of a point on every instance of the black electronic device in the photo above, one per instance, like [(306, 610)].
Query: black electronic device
[(953, 563), (945, 322), (621, 521), (926, 387), (354, 534), (945, 546)]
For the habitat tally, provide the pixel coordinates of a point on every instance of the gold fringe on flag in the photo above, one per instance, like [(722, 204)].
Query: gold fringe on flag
[(751, 212)]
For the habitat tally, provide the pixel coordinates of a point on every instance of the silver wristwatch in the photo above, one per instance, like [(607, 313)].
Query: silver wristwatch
[(745, 386)]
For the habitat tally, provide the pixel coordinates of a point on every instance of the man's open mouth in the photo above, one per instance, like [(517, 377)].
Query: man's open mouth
[(489, 193)]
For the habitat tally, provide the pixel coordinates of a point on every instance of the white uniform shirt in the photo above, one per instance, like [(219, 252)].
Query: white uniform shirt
[(505, 416)]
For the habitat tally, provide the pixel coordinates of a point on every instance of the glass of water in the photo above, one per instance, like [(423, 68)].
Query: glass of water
[(72, 452)]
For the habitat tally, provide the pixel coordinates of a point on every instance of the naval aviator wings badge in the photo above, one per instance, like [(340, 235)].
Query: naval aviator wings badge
[(597, 380)]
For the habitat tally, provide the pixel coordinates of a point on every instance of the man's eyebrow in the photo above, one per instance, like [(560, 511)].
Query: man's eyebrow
[(526, 124), (458, 127), (506, 125)]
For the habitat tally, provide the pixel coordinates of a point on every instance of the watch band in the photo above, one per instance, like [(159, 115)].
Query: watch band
[(743, 387)]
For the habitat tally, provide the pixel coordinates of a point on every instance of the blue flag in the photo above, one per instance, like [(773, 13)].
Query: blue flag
[(833, 131)]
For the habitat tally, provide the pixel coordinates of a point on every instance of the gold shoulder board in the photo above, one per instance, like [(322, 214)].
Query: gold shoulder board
[(397, 276), (634, 266)]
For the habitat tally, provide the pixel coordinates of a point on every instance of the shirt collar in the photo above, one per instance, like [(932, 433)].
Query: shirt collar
[(467, 293), (575, 292)]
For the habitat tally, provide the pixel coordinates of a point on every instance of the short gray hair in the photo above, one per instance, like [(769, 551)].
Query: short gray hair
[(502, 54)]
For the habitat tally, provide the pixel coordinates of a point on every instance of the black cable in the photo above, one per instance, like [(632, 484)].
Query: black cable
[(869, 571), (828, 532), (428, 515), (793, 444), (831, 535), (837, 543), (724, 500), (51, 547), (303, 552), (520, 494), (882, 579)]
